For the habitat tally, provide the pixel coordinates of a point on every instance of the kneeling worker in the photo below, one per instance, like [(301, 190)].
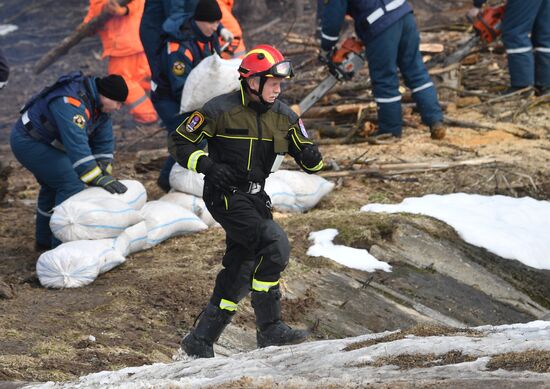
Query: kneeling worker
[(248, 132), (65, 138)]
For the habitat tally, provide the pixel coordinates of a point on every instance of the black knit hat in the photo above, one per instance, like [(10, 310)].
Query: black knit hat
[(208, 11), (113, 87)]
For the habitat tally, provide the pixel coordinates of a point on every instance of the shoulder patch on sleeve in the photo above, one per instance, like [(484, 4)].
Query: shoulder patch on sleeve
[(302, 128), (194, 121), (178, 68), (79, 120)]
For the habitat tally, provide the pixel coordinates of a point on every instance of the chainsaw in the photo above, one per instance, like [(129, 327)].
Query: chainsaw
[(487, 25), (343, 65)]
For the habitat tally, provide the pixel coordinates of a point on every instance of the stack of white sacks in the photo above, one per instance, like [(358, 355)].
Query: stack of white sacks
[(99, 229)]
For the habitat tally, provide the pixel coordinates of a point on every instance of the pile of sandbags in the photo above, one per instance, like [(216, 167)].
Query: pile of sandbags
[(99, 229)]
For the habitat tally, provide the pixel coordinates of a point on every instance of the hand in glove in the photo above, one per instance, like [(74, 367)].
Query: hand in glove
[(218, 174), (109, 183), (105, 166), (226, 35), (114, 8), (310, 156)]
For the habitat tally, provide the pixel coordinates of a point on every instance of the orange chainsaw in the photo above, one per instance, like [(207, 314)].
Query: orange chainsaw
[(487, 25), (343, 65)]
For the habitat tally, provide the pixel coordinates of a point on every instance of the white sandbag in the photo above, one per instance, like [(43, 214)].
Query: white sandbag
[(309, 189), (208, 219), (186, 181), (132, 240), (94, 218), (165, 220), (212, 77), (188, 201), (75, 264), (282, 196), (135, 196)]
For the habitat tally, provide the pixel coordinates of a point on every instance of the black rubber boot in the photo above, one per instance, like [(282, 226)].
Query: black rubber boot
[(199, 342), (271, 330)]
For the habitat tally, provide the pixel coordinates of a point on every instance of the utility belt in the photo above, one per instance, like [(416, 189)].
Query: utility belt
[(33, 132), (249, 187)]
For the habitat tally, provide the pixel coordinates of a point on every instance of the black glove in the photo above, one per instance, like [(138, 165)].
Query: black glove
[(109, 183), (105, 166), (310, 156), (218, 174)]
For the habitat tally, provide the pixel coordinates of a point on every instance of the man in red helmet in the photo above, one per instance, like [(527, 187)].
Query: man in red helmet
[(248, 133)]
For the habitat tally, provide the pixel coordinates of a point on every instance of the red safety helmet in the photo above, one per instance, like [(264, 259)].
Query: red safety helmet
[(265, 61)]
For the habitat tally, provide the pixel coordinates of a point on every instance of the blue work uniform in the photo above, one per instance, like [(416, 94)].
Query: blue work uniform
[(526, 36), (60, 137), (178, 58), (389, 32), (151, 31)]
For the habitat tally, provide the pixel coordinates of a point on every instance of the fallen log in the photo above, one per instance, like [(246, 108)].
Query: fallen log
[(82, 31), (389, 169)]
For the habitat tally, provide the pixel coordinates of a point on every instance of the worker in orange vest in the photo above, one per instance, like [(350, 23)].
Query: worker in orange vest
[(122, 46), (236, 48)]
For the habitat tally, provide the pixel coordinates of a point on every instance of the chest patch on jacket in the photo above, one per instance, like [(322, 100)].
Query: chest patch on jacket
[(178, 68), (79, 121), (194, 122)]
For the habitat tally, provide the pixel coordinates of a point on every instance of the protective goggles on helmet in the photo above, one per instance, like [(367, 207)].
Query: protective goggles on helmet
[(282, 69)]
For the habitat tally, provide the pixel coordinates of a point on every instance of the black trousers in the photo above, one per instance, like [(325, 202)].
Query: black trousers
[(256, 247)]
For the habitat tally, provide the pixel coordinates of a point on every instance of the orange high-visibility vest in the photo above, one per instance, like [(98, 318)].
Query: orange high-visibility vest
[(120, 35)]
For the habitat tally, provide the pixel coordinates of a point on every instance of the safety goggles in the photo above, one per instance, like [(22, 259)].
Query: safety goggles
[(282, 69)]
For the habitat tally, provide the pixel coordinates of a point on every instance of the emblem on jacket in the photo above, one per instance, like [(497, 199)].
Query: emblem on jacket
[(178, 68), (194, 121), (79, 121)]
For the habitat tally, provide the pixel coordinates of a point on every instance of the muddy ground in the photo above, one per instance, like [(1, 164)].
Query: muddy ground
[(139, 311)]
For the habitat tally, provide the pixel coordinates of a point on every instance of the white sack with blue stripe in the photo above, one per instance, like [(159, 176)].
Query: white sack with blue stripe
[(165, 220), (78, 263), (135, 196), (308, 189), (193, 203), (94, 218), (186, 181)]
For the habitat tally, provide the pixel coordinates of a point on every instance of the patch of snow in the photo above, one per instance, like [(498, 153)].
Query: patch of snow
[(344, 255), (513, 228)]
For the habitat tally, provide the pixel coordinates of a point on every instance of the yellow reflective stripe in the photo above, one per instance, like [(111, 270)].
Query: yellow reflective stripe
[(193, 159), (242, 94), (88, 177), (318, 167), (243, 137), (226, 204), (109, 168), (263, 286), (302, 142), (228, 305), (267, 54), (249, 155), (295, 140)]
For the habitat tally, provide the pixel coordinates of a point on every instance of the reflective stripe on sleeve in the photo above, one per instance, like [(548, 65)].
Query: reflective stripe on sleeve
[(91, 175), (44, 213), (103, 156), (373, 17), (329, 37), (194, 159), (542, 49), (137, 102), (83, 160), (422, 87), (519, 50), (387, 99), (263, 286), (228, 305), (394, 4)]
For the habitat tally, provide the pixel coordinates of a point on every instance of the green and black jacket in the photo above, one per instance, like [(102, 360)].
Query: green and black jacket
[(241, 137)]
